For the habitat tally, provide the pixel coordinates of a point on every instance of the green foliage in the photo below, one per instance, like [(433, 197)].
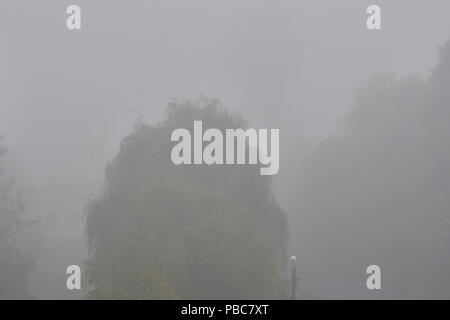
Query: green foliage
[(15, 264), (160, 231)]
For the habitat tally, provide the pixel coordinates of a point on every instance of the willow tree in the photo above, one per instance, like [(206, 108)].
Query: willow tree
[(158, 230)]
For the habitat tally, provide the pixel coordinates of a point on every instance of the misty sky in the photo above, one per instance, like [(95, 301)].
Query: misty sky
[(67, 98)]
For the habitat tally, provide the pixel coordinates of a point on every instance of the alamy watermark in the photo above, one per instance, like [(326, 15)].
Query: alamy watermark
[(237, 141)]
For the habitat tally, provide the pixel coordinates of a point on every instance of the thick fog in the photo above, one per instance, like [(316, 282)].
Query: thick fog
[(68, 98)]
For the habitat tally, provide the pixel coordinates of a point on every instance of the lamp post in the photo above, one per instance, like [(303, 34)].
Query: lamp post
[(293, 261)]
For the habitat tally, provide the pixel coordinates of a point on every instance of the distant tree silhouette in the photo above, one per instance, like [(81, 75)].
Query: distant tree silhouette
[(379, 190), (15, 264)]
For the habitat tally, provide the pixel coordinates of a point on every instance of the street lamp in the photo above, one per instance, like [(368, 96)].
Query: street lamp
[(293, 262)]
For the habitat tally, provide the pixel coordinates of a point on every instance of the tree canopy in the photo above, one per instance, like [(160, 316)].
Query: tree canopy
[(157, 230)]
